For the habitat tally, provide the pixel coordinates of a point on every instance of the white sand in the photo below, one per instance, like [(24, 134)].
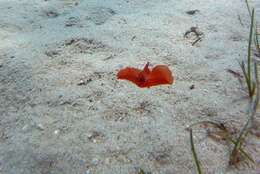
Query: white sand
[(49, 124)]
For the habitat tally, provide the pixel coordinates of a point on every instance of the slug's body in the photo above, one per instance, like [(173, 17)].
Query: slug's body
[(159, 75)]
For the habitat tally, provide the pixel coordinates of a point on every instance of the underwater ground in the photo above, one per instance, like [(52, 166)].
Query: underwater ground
[(62, 110)]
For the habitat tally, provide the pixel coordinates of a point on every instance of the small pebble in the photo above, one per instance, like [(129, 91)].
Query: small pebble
[(81, 82), (56, 132), (133, 38), (95, 161), (96, 137), (205, 90), (40, 127), (192, 12), (52, 14), (25, 127), (52, 53), (88, 172), (192, 87)]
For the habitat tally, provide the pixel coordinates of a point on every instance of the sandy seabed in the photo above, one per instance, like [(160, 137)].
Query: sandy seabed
[(64, 112)]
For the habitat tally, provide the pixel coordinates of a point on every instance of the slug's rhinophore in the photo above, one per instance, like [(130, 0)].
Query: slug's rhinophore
[(159, 75)]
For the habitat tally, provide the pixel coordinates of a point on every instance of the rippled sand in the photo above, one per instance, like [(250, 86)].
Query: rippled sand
[(62, 110)]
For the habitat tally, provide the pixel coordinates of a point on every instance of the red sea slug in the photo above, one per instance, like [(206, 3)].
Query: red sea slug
[(159, 75)]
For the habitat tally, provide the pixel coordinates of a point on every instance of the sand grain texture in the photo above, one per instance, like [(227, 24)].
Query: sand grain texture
[(62, 110)]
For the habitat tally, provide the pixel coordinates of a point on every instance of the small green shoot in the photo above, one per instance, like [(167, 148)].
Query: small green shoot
[(226, 135), (250, 73), (251, 86), (194, 154), (249, 124)]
